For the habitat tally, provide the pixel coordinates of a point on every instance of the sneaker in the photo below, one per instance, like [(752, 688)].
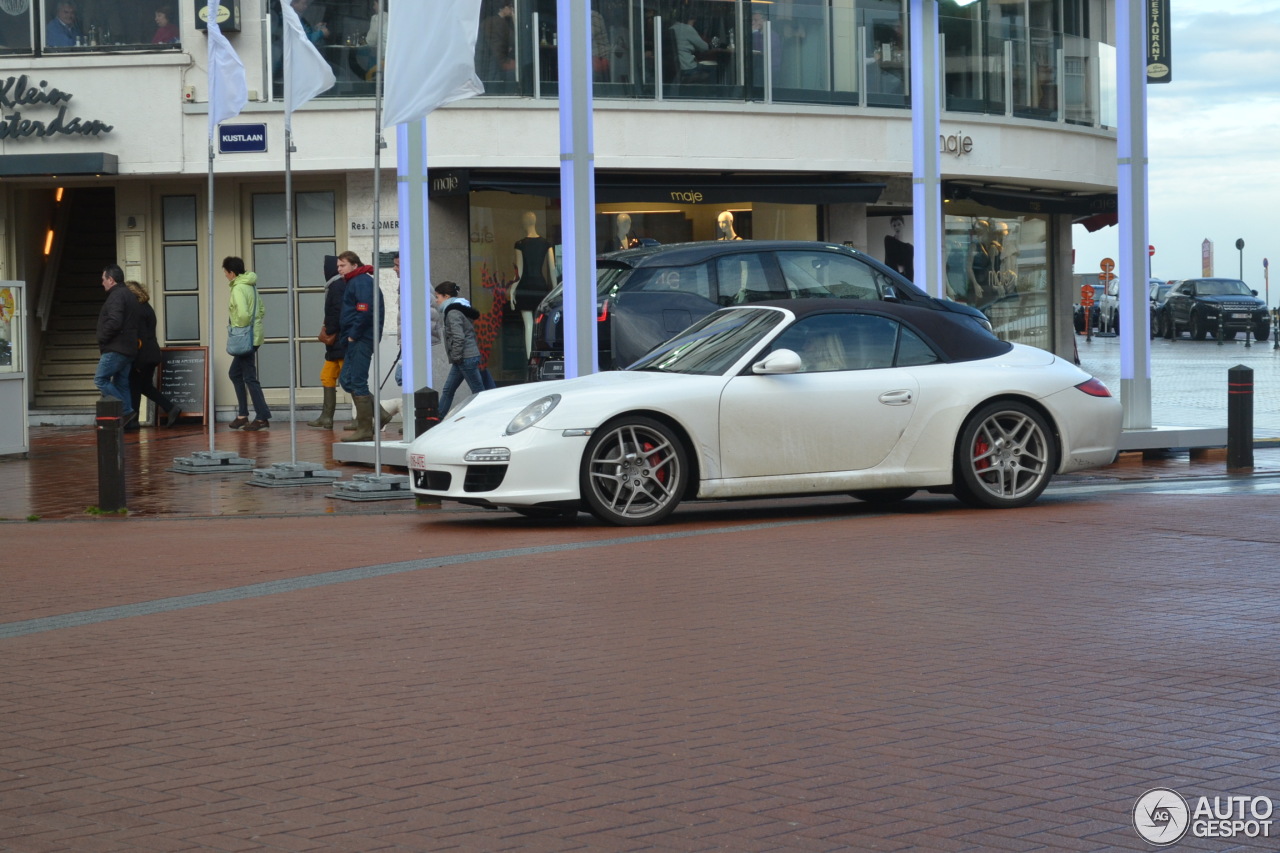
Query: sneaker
[(238, 422), (257, 425)]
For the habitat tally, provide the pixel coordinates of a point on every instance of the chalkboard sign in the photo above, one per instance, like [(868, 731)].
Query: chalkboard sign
[(184, 378)]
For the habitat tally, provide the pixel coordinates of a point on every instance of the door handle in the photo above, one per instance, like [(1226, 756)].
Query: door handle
[(896, 398)]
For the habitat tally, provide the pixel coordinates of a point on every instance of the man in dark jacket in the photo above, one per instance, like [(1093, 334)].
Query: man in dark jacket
[(117, 340), (335, 352), (361, 332)]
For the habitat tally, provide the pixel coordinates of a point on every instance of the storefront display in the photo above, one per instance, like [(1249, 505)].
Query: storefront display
[(13, 376)]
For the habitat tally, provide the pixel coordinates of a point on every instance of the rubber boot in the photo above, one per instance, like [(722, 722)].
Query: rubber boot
[(364, 420), (351, 426), (325, 421), (384, 417)]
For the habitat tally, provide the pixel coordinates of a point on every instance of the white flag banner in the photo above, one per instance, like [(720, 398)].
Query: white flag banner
[(431, 58), (228, 91), (306, 74)]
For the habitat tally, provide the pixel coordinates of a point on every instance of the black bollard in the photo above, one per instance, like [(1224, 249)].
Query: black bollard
[(1240, 418), (426, 410), (110, 427)]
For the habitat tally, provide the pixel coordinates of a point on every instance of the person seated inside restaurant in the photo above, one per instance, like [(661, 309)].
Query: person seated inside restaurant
[(687, 45), (166, 27), (63, 29)]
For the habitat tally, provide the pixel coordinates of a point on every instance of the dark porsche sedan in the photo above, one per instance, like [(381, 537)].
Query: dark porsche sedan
[(1205, 306), (645, 296)]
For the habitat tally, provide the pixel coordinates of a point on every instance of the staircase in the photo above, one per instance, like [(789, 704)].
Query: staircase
[(69, 354)]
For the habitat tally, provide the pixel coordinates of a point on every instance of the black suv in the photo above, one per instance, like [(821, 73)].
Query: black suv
[(645, 296), (1201, 305)]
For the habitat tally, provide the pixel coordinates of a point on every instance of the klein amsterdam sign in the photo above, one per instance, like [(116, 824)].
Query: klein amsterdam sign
[(18, 92)]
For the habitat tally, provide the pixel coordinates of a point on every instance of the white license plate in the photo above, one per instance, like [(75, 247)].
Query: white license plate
[(1239, 316)]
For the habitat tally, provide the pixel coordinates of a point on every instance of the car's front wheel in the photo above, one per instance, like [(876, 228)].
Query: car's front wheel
[(1262, 331), (1199, 331), (1004, 457), (634, 472)]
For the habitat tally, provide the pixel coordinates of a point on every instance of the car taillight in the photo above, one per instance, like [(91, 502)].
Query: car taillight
[(1094, 388), (538, 320), (604, 311)]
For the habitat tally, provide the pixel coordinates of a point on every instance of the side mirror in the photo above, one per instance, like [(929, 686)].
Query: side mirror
[(777, 362), (1254, 292), (1191, 290), (890, 294)]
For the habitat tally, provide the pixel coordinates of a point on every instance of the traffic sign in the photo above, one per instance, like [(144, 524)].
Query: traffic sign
[(1107, 265), (1151, 251), (1086, 295)]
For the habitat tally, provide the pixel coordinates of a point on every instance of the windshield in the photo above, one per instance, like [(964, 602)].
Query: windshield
[(1222, 287), (713, 344)]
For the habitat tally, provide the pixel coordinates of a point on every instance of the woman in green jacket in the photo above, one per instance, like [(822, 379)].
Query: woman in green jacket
[(244, 309)]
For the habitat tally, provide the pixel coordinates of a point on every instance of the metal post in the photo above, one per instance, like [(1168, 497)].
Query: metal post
[(110, 427), (1240, 418)]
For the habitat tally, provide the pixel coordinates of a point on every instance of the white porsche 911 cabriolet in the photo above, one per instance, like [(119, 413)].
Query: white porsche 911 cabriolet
[(869, 398)]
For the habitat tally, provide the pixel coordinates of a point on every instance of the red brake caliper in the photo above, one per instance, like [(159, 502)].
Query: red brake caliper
[(981, 448), (660, 474)]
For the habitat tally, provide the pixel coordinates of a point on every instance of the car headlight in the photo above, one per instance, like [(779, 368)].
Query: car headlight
[(532, 413)]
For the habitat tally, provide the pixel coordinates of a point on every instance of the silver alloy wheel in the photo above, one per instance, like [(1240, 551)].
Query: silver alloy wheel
[(633, 472), (1007, 456)]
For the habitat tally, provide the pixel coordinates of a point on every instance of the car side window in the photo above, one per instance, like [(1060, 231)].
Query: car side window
[(692, 280), (913, 351), (826, 274), (842, 342), (742, 279)]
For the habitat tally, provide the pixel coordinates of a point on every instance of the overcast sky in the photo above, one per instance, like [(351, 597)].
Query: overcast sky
[(1214, 138)]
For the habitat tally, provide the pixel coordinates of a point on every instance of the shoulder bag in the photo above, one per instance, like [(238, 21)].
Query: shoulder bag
[(240, 338)]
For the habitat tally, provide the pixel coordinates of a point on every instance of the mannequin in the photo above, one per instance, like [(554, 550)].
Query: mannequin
[(624, 237), (535, 258), (725, 223), (899, 254)]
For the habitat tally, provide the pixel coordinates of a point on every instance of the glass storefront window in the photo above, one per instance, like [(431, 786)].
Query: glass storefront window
[(315, 235), (90, 25), (180, 265), (10, 329), (999, 264)]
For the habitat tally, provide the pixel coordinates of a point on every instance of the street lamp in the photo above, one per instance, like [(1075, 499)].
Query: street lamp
[(1240, 246)]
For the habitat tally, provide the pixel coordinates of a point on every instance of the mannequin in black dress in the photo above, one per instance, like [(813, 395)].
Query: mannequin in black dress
[(724, 224), (535, 258)]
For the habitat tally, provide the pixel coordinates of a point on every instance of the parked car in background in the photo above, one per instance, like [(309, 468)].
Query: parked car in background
[(646, 295), (799, 397), (1200, 306), (1157, 293), (1109, 308)]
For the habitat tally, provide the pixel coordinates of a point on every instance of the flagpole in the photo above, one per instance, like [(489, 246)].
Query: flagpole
[(378, 144), (228, 93), (212, 415), (290, 273)]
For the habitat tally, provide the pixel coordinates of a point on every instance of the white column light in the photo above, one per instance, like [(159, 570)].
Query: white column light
[(1131, 191), (577, 187)]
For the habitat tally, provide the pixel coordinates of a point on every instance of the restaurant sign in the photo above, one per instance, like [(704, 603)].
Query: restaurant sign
[(19, 93)]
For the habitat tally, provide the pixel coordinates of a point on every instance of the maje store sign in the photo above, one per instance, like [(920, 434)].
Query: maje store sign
[(22, 93)]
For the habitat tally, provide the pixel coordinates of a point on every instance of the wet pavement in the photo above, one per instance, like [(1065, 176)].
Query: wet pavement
[(58, 478)]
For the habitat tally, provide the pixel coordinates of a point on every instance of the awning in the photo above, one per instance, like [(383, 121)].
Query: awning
[(58, 165), (1033, 201), (659, 187)]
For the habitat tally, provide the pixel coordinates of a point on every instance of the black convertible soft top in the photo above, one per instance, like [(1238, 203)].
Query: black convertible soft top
[(955, 336)]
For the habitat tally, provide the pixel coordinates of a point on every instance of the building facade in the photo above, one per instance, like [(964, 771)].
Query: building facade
[(791, 116)]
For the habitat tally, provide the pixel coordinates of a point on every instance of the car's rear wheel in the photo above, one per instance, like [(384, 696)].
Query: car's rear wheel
[(634, 472), (1005, 456), (883, 497)]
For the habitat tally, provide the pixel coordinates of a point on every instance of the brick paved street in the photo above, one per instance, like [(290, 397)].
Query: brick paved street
[(234, 668), (815, 676)]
